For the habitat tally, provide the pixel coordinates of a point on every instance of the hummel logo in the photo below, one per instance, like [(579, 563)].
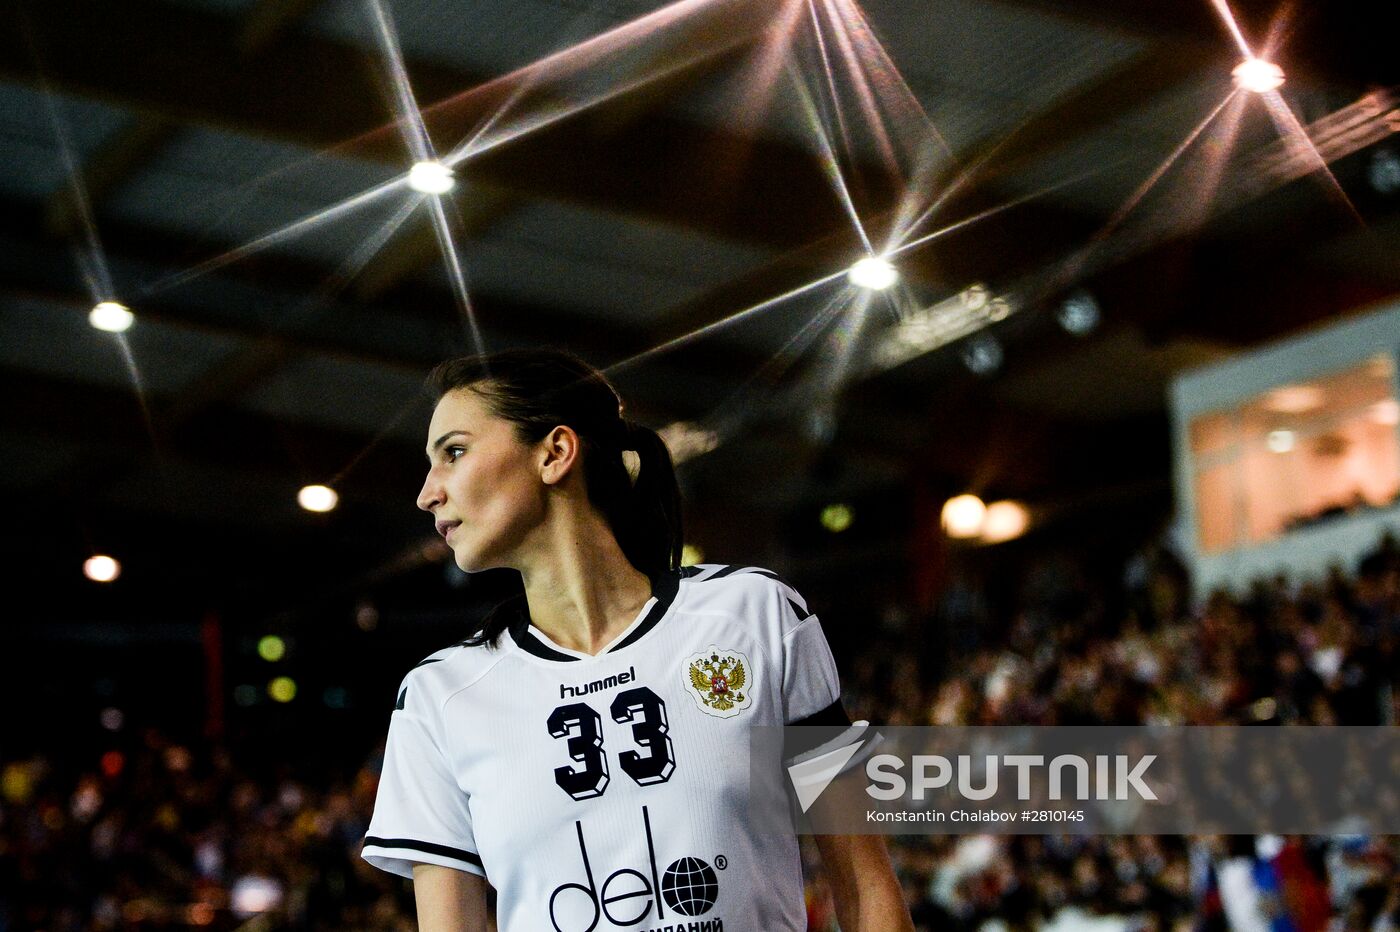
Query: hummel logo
[(597, 686)]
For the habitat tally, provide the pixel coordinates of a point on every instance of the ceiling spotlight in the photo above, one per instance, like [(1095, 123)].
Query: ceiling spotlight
[(111, 317), (963, 516), (1079, 314), (1257, 75), (983, 356), (431, 178), (101, 568), (874, 273), (318, 498)]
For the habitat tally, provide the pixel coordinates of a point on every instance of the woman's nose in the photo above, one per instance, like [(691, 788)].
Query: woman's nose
[(430, 496)]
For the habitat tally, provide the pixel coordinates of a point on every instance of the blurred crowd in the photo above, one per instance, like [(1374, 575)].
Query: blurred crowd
[(151, 833), (160, 835), (1072, 653)]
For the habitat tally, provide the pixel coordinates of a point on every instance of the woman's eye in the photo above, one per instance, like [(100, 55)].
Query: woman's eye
[(455, 452)]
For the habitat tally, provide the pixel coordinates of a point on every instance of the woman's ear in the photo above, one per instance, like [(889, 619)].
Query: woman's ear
[(559, 452)]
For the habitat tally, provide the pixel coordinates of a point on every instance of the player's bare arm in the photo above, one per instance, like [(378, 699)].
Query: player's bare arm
[(863, 884), (449, 900)]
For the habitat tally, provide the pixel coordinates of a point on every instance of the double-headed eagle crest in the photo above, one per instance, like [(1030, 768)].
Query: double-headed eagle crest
[(719, 680)]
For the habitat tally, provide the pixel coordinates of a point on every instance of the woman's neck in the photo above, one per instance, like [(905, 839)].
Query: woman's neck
[(581, 589)]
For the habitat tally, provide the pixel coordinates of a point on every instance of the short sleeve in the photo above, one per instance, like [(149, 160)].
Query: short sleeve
[(420, 814), (812, 696), (811, 687)]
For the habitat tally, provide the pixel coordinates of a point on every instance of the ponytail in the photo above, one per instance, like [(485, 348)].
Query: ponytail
[(656, 539), (538, 390)]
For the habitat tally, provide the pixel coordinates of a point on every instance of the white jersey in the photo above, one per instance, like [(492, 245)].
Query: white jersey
[(612, 791)]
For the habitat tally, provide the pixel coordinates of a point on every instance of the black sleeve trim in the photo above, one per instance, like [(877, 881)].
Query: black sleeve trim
[(833, 716), (426, 847), (815, 730)]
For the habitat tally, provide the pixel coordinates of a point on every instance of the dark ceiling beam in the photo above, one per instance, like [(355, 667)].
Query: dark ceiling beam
[(185, 65), (269, 21), (122, 156), (1149, 75), (106, 169), (345, 328)]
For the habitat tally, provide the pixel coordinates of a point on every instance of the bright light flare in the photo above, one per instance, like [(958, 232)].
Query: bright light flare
[(1386, 413), (431, 177), (873, 272), (1006, 520), (1258, 76), (111, 317), (318, 498), (101, 568), (1280, 441), (964, 516)]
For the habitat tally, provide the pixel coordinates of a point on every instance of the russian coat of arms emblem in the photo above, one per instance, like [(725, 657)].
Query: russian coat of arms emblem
[(720, 680)]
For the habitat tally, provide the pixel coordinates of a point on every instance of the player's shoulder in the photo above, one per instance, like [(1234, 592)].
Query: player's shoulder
[(721, 586), (446, 671)]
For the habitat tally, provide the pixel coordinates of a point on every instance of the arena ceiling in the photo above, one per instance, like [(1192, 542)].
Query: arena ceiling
[(630, 178)]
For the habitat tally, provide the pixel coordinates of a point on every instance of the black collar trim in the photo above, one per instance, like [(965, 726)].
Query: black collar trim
[(663, 589)]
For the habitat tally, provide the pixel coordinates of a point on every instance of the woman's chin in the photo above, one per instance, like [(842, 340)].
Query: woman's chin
[(471, 562)]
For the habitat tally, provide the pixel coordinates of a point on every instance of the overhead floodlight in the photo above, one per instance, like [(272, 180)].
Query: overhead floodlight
[(101, 568), (873, 272), (111, 317), (1257, 75), (963, 516), (318, 498), (431, 177)]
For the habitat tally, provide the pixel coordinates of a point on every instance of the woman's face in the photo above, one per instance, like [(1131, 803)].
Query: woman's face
[(483, 488)]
